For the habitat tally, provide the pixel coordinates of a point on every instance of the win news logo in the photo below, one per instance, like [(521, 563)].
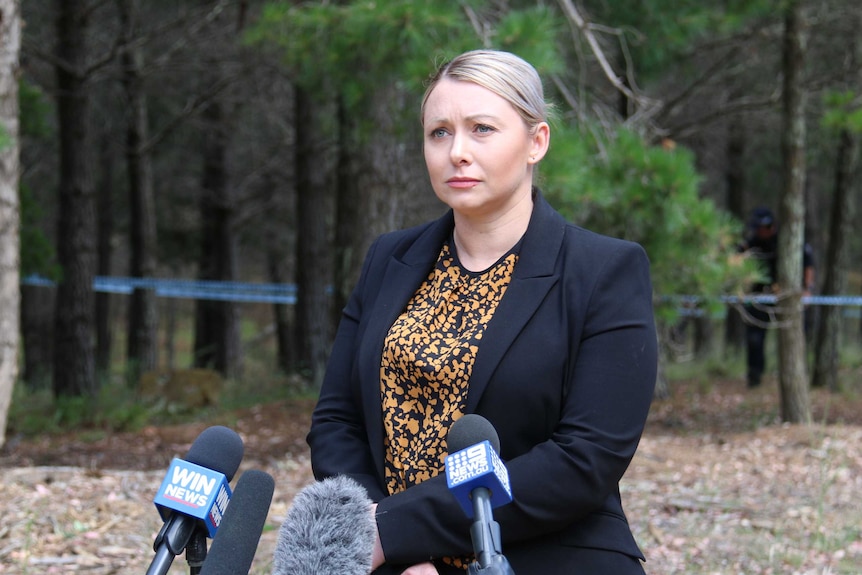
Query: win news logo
[(196, 491)]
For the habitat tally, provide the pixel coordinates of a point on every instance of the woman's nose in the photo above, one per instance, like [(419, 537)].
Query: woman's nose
[(460, 151)]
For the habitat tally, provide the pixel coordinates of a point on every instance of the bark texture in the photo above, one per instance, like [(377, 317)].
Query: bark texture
[(10, 291)]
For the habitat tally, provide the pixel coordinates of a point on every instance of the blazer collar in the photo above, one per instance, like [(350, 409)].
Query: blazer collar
[(537, 258), (539, 248)]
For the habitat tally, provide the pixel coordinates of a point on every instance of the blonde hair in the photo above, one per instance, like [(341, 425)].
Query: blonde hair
[(507, 75)]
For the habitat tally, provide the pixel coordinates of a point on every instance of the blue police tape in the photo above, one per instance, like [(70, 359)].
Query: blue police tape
[(286, 293), (830, 300), (688, 306), (190, 289)]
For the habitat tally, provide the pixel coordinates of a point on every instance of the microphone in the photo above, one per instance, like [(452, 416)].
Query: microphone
[(328, 529), (193, 497), (235, 544), (479, 481)]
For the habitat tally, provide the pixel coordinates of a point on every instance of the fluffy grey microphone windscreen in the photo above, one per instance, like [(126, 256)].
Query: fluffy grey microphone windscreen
[(329, 529)]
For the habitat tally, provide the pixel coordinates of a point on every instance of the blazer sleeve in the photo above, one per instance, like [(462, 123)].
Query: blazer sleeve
[(609, 381), (338, 438)]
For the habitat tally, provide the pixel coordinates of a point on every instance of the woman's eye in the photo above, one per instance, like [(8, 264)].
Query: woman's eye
[(484, 129), (438, 133)]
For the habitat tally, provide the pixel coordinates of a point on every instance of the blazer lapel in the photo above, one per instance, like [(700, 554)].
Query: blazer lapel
[(533, 277), (403, 275)]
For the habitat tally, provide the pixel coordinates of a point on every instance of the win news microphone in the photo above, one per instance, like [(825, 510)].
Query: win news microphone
[(329, 529), (194, 496), (233, 547), (479, 481)]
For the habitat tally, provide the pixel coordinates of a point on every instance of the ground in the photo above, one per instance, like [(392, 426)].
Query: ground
[(718, 486)]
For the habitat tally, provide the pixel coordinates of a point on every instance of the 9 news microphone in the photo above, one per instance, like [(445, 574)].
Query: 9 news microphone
[(479, 481), (193, 498), (329, 529), (235, 544)]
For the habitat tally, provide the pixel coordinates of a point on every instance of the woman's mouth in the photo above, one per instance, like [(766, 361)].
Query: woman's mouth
[(462, 183)]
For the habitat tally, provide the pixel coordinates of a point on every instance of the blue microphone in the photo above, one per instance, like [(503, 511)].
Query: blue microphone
[(479, 481), (195, 491), (194, 496)]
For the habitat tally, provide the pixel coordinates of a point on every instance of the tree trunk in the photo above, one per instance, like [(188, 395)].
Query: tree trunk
[(280, 250), (734, 327), (827, 344), (10, 216), (217, 322), (347, 216), (285, 356), (143, 311), (105, 200), (704, 336), (74, 361), (313, 262), (37, 328), (665, 357), (793, 380), (170, 333)]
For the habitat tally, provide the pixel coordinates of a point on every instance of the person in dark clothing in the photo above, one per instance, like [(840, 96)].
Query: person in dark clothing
[(762, 243)]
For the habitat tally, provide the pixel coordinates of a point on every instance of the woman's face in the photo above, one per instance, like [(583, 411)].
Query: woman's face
[(478, 150)]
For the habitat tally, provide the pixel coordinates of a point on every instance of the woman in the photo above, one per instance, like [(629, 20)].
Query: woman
[(503, 309)]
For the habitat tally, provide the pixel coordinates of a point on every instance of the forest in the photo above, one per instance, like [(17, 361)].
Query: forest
[(269, 142)]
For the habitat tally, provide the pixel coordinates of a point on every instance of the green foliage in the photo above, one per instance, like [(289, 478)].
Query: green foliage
[(624, 187), (119, 407), (37, 411), (35, 111), (37, 252), (842, 111), (532, 35), (660, 31), (359, 45)]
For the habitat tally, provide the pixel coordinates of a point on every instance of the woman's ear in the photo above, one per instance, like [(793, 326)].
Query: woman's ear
[(540, 139)]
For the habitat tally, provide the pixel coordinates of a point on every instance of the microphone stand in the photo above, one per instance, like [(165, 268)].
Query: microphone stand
[(485, 533), (196, 551), (174, 536)]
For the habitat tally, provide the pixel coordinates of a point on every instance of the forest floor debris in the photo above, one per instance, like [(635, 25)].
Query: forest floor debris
[(718, 486)]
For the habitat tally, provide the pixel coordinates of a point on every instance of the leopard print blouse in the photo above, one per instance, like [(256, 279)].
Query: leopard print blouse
[(427, 361)]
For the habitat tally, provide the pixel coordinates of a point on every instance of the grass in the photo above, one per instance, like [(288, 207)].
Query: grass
[(118, 407)]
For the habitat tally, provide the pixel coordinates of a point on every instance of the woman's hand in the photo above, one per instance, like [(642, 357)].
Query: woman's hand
[(421, 569), (377, 558)]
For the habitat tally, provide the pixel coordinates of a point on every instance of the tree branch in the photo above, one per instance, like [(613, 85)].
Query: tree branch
[(191, 108), (734, 107), (708, 74), (574, 16)]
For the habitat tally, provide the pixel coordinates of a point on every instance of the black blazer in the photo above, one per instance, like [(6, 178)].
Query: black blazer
[(565, 373)]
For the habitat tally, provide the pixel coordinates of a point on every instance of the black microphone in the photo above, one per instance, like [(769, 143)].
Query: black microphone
[(478, 479), (329, 529), (233, 548), (194, 496)]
